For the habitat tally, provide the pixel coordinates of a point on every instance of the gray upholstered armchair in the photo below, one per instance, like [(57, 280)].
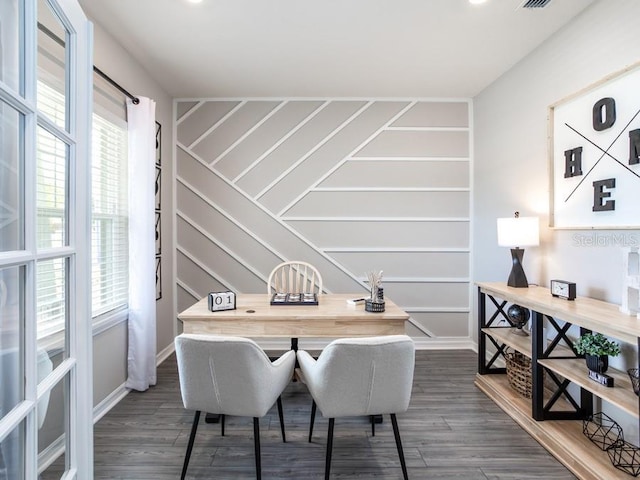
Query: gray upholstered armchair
[(360, 376), (230, 376)]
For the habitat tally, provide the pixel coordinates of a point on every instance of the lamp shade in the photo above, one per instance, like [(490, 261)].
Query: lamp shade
[(518, 232)]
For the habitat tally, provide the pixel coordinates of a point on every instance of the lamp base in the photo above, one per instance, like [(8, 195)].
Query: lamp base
[(517, 278)]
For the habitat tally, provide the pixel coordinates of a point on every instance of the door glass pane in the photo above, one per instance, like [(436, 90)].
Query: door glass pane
[(51, 64), (11, 178), (11, 343), (11, 40), (51, 311), (53, 425), (12, 464), (51, 190)]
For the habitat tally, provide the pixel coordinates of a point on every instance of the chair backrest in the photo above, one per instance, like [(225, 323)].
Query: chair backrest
[(294, 277), (365, 376), (226, 375)]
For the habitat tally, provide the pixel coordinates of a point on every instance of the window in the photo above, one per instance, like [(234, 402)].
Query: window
[(109, 224)]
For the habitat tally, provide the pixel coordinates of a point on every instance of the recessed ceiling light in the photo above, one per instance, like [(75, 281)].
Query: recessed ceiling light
[(194, 1), (477, 2)]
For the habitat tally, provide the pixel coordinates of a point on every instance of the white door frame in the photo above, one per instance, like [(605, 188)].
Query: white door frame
[(75, 372)]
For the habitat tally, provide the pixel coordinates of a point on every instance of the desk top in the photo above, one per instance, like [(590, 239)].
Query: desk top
[(254, 316)]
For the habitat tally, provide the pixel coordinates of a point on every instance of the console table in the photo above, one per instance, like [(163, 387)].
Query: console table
[(553, 416)]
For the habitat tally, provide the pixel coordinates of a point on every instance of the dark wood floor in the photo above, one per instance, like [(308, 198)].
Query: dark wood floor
[(451, 431)]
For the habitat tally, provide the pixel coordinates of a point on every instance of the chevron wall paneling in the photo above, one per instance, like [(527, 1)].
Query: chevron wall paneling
[(349, 185)]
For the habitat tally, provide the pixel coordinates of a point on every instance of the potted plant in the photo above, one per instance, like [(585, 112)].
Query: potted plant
[(596, 348)]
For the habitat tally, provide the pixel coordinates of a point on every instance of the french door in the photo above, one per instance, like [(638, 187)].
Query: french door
[(45, 287)]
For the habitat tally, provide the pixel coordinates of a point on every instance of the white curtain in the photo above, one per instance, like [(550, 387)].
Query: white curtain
[(141, 358)]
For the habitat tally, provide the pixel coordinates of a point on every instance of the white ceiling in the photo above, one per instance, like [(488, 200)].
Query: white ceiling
[(328, 48)]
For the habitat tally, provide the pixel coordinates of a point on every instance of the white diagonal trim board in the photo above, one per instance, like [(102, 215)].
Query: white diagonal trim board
[(222, 246), (188, 113), (229, 217), (281, 141), (188, 289), (217, 124), (268, 213), (421, 328), (341, 162), (315, 148), (205, 269), (249, 132)]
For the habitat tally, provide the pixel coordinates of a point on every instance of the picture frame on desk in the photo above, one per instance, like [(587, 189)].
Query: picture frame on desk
[(299, 299)]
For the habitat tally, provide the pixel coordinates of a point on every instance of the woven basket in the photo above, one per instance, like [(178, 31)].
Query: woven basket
[(519, 372)]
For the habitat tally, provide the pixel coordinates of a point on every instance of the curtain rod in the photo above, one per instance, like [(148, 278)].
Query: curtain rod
[(115, 84)]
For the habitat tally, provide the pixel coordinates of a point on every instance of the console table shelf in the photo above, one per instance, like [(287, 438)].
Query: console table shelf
[(557, 429), (620, 395), (562, 438), (506, 336)]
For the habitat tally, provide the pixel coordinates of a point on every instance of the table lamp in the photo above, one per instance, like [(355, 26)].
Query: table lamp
[(515, 233)]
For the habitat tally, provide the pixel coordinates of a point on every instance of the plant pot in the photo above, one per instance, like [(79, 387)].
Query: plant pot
[(597, 363)]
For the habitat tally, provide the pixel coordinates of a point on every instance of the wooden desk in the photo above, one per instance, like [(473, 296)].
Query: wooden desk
[(332, 317)]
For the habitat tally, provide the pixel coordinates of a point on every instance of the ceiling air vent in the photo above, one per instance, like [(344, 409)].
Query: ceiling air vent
[(535, 3)]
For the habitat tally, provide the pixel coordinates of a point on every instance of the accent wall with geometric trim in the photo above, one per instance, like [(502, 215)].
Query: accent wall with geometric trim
[(348, 185)]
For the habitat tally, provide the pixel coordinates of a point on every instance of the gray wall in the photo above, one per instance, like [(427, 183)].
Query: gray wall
[(511, 168), (349, 185), (110, 347)]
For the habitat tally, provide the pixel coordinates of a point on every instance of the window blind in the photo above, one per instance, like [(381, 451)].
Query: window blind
[(109, 224)]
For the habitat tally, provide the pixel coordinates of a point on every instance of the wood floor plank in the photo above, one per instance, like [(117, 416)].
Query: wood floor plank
[(451, 431)]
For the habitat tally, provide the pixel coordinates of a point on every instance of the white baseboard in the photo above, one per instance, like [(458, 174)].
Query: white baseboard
[(119, 393), (446, 343), (50, 454), (166, 353), (109, 402)]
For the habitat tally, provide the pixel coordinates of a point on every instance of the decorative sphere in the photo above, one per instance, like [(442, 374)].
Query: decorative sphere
[(518, 316)]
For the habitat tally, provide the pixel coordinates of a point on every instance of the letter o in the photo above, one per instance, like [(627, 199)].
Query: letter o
[(604, 114)]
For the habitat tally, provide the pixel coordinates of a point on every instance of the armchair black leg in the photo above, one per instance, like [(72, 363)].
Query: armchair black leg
[(284, 439), (396, 433), (192, 437), (256, 443), (372, 418), (222, 423), (327, 465), (313, 418)]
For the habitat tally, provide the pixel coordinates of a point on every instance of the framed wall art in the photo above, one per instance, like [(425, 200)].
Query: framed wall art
[(158, 229), (158, 188), (595, 155)]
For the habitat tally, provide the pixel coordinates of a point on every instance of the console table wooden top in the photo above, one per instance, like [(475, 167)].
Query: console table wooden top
[(595, 315)]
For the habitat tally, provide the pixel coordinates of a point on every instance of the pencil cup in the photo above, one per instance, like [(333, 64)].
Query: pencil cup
[(370, 306)]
